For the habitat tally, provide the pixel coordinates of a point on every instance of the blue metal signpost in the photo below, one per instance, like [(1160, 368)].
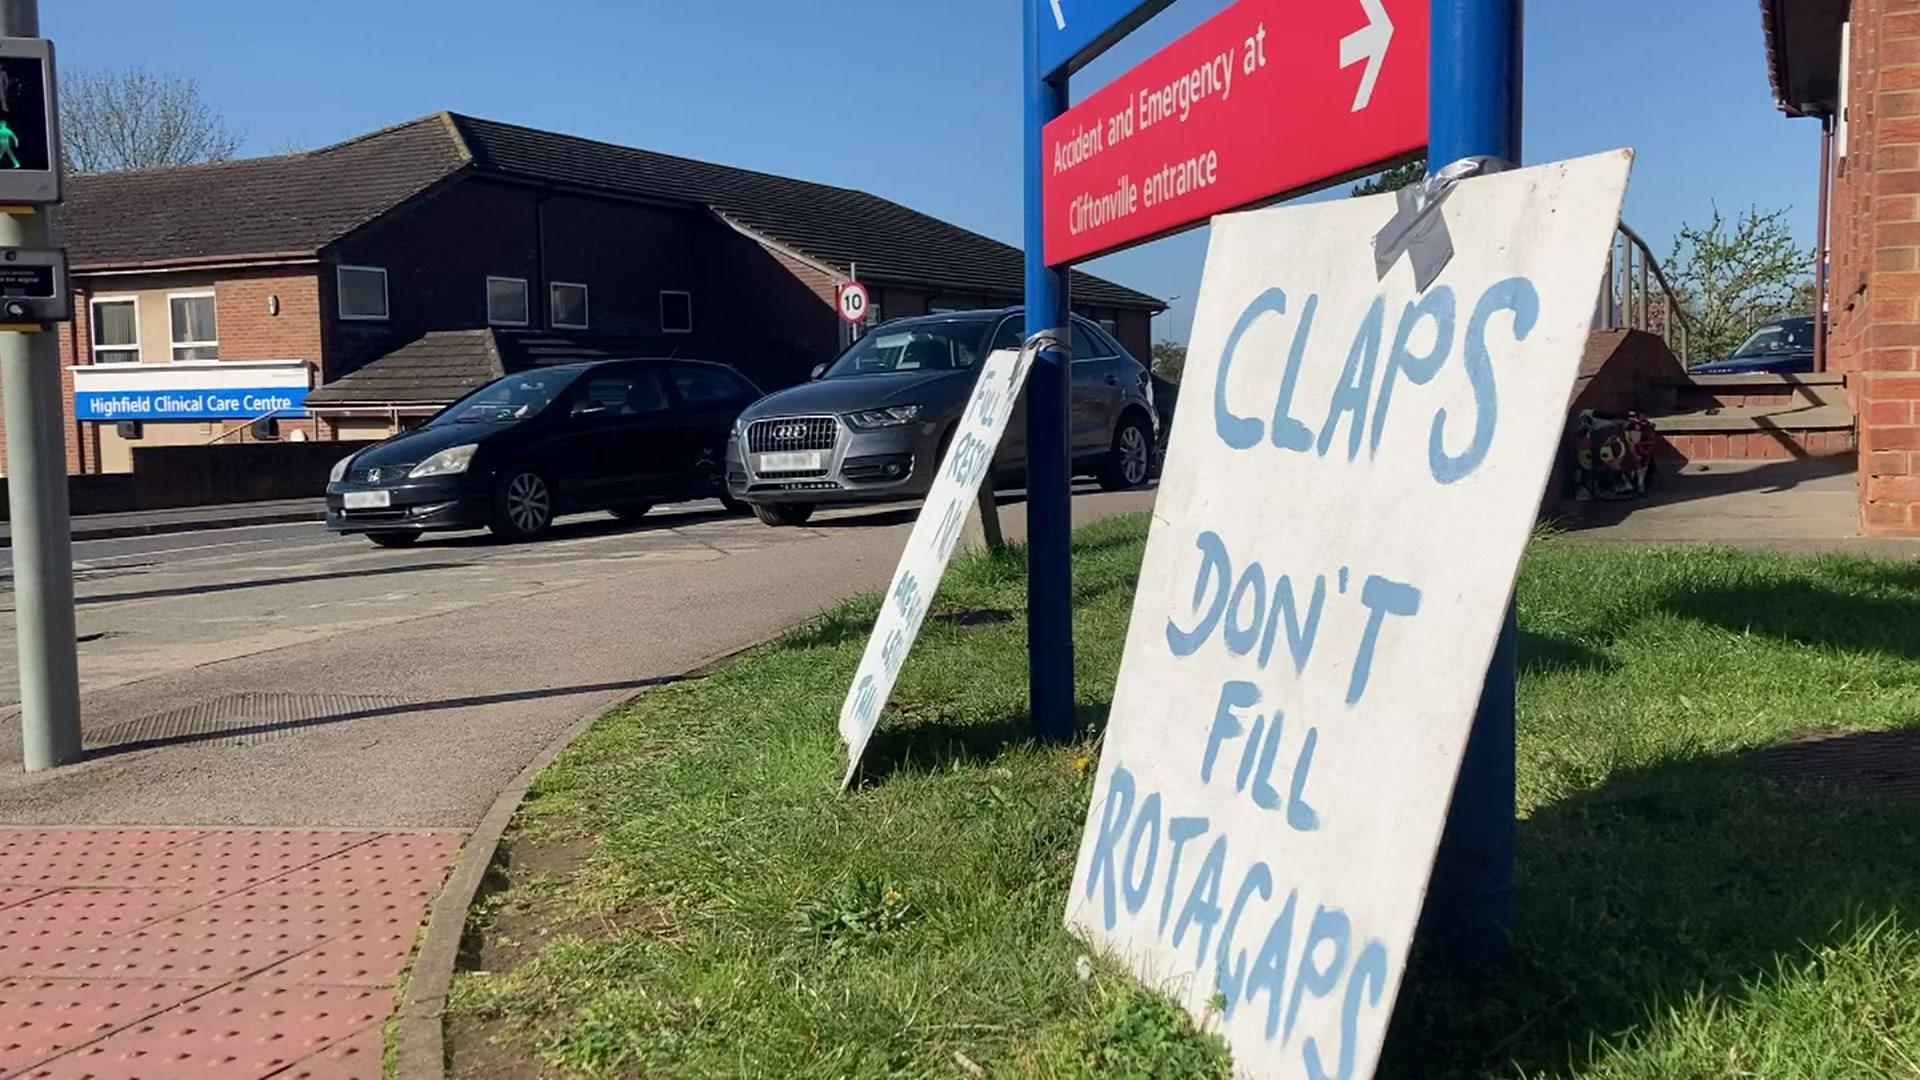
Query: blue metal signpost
[(1067, 33), (1058, 36), (1474, 110), (1049, 469)]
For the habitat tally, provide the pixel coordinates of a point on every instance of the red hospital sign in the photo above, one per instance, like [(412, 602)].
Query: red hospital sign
[(1266, 98)]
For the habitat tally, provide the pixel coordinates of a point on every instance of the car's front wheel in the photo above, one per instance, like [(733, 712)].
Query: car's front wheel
[(783, 514), (1130, 461), (394, 539), (522, 505)]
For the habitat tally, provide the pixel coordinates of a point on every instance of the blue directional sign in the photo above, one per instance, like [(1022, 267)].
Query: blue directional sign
[(1072, 32), (244, 403)]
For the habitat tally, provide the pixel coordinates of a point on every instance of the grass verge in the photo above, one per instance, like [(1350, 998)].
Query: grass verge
[(707, 905)]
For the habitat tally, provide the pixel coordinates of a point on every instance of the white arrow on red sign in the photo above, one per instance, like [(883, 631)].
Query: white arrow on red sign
[(1368, 43)]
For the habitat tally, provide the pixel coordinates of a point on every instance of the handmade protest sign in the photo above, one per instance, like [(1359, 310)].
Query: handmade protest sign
[(968, 460), (1332, 553)]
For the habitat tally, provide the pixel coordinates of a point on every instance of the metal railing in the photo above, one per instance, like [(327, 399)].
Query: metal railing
[(243, 426), (1637, 295)]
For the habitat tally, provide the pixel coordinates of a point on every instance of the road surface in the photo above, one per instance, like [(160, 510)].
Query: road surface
[(279, 675)]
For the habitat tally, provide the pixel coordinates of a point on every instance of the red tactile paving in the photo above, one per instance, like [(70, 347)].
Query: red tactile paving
[(332, 910), (94, 911), (55, 858), (162, 953), (237, 1031), (42, 1017), (357, 1057), (353, 959), (231, 861), (18, 894), (398, 861)]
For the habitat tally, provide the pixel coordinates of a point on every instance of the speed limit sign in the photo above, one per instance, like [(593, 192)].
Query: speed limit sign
[(853, 302)]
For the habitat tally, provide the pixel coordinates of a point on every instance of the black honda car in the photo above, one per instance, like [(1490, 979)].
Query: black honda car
[(616, 435)]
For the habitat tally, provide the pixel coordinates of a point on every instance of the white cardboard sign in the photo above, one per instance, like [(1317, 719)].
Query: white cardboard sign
[(930, 547), (1345, 504)]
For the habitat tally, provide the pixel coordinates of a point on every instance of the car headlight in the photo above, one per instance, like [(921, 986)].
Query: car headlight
[(454, 459), (892, 416), (339, 472)]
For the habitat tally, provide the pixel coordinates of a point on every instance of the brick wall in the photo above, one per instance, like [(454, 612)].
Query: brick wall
[(76, 441), (1875, 290), (247, 332)]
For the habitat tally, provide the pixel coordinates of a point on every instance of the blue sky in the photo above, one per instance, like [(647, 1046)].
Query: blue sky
[(916, 100)]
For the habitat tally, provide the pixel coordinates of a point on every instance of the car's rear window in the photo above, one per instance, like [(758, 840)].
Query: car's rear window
[(931, 345)]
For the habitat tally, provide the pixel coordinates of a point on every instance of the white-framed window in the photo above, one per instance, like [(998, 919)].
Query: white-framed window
[(114, 322), (363, 292), (195, 328), (676, 311), (567, 306), (507, 303)]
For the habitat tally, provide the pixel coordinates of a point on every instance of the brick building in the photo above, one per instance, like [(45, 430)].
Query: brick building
[(350, 291), (1855, 68)]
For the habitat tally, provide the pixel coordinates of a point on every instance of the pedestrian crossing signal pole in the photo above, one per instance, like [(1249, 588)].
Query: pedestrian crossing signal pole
[(34, 295)]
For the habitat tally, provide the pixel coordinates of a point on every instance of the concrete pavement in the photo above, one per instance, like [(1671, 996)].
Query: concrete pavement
[(1806, 505)]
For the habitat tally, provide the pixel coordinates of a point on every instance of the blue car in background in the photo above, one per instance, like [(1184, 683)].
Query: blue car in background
[(1783, 346)]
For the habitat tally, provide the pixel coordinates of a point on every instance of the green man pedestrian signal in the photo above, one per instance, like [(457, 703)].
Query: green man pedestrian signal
[(29, 123)]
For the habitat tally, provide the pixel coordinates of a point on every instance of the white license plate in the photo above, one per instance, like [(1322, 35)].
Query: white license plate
[(800, 461), (369, 500)]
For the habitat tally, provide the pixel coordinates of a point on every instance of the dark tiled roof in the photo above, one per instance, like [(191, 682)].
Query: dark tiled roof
[(299, 203), (836, 226), (437, 367), (294, 203), (433, 368)]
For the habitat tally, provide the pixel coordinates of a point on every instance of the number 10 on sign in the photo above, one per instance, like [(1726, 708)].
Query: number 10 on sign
[(853, 302)]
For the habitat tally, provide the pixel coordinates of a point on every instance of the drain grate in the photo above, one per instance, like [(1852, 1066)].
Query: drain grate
[(1876, 764), (241, 719)]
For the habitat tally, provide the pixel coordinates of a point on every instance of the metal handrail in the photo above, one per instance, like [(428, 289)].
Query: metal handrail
[(243, 427), (1627, 302)]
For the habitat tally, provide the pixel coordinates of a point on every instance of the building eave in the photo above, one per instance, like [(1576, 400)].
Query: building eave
[(313, 406), (1802, 40), (204, 262)]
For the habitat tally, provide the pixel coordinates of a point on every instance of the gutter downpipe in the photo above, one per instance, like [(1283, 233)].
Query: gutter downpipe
[(1820, 252)]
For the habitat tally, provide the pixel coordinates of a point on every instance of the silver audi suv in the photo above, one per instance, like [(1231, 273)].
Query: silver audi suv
[(873, 425)]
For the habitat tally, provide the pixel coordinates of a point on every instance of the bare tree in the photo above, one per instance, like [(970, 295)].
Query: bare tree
[(136, 119)]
